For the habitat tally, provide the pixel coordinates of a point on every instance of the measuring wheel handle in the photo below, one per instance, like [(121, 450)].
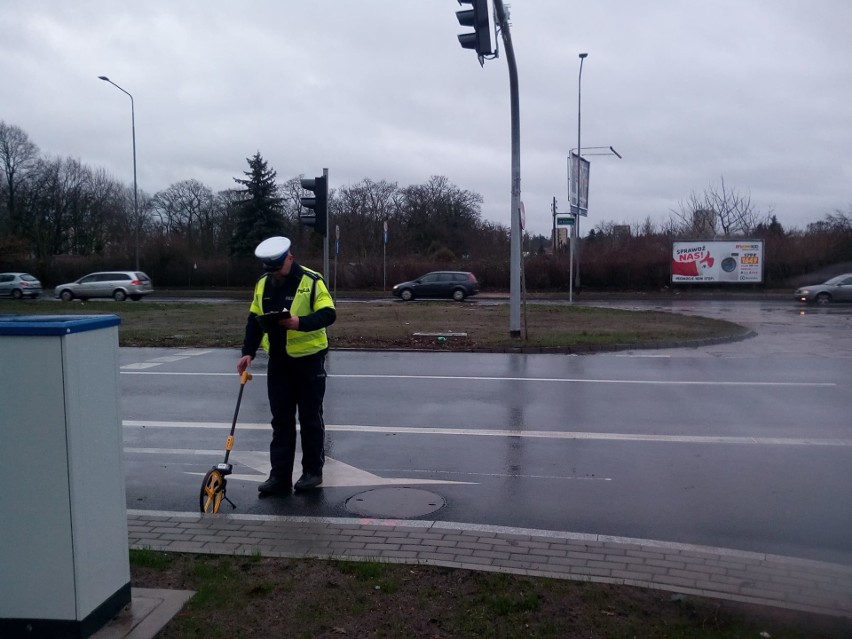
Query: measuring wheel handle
[(214, 486)]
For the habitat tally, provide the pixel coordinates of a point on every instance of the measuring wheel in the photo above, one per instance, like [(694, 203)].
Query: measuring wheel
[(212, 491), (213, 486)]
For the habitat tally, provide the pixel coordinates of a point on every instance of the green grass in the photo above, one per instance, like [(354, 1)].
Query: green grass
[(386, 324), (151, 559), (267, 597)]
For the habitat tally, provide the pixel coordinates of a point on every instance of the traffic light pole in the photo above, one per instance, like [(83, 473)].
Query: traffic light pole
[(515, 245), (328, 227)]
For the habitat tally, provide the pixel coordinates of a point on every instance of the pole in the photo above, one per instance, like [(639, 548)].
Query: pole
[(553, 210), (576, 230), (328, 220), (571, 265), (336, 253), (135, 189), (515, 214), (385, 256)]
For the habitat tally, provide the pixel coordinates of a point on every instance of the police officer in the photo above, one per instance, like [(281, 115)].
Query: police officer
[(297, 344)]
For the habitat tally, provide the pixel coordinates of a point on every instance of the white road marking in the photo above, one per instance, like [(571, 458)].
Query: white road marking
[(576, 380), (503, 475), (165, 359), (561, 380), (335, 473), (531, 434)]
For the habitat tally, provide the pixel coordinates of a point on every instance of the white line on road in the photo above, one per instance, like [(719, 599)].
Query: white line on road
[(531, 434), (335, 472), (561, 380), (165, 359), (576, 380), (503, 475)]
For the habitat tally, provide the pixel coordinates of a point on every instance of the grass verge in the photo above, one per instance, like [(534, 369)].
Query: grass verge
[(311, 598), (385, 324)]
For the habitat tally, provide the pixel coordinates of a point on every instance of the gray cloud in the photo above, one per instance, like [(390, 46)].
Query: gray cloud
[(757, 92)]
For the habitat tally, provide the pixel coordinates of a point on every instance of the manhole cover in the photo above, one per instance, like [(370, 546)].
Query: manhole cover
[(395, 502)]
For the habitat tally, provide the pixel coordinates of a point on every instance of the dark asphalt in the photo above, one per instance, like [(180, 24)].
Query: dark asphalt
[(742, 445)]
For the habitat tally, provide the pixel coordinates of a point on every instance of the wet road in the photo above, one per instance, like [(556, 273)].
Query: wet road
[(745, 445)]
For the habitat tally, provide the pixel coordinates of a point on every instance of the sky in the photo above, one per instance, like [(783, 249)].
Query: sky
[(755, 92)]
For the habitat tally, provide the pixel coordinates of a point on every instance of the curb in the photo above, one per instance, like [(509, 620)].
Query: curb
[(568, 350), (749, 577)]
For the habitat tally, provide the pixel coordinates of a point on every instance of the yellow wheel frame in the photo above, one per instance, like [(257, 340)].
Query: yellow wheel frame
[(212, 491)]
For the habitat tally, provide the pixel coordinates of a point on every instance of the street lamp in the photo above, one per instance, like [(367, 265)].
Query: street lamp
[(576, 229), (135, 192)]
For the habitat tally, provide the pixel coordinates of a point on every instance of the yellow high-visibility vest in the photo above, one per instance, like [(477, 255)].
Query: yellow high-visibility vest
[(299, 343)]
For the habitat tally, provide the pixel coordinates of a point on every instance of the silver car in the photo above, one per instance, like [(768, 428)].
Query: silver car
[(837, 289), (118, 285), (19, 285)]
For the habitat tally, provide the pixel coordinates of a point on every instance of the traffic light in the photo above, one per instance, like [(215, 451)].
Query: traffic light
[(481, 17), (317, 216)]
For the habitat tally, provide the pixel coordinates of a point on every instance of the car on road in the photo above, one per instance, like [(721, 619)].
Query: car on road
[(837, 289), (118, 285), (452, 284), (19, 285)]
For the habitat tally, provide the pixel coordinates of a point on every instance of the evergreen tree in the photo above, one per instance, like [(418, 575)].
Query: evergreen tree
[(258, 207)]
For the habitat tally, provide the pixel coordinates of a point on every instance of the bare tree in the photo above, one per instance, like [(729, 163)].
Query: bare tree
[(718, 211), (186, 210), (17, 155), (360, 212), (439, 215)]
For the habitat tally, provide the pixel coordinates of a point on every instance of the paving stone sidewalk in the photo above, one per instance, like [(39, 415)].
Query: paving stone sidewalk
[(786, 582)]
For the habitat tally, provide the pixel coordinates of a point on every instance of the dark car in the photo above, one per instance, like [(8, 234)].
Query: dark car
[(837, 289), (453, 284), (19, 285)]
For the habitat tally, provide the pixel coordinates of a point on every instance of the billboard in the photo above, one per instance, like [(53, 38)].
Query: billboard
[(717, 261), (583, 209)]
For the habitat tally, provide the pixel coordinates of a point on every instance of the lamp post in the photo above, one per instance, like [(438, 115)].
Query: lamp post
[(591, 150), (576, 229), (135, 191)]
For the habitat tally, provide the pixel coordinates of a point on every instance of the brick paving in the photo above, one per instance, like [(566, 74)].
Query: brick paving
[(786, 582)]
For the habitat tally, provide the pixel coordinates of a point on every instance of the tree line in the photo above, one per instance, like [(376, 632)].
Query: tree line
[(60, 219)]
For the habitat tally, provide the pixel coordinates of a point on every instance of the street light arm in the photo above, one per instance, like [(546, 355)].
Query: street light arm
[(609, 149), (106, 79)]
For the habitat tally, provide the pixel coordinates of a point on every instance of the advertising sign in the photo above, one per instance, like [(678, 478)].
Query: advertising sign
[(584, 185), (718, 261)]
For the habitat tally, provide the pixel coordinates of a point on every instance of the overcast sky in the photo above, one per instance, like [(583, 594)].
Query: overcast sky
[(756, 91)]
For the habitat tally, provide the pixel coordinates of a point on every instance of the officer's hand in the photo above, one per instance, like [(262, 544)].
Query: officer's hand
[(291, 323), (243, 363)]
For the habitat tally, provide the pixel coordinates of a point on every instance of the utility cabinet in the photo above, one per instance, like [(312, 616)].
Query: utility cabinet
[(63, 516)]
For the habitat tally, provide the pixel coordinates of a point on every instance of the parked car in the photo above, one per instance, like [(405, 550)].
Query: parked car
[(19, 285), (837, 289), (118, 285), (454, 284)]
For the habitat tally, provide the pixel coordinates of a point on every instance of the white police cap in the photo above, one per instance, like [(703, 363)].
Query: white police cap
[(272, 252)]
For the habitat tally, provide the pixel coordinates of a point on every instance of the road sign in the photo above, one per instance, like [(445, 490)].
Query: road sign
[(564, 220)]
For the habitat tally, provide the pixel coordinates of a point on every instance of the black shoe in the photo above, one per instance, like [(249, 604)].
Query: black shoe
[(308, 481), (275, 486)]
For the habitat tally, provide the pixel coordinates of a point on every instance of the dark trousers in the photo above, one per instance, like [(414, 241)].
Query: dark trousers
[(296, 383)]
